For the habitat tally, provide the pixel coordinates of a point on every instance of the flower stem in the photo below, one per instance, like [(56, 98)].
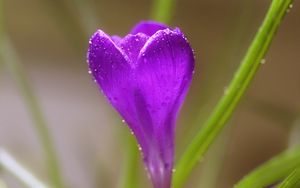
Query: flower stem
[(272, 171), (129, 177), (162, 10), (233, 93), (8, 163), (292, 181)]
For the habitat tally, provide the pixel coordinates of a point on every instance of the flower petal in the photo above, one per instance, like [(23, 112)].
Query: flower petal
[(132, 44), (113, 71), (145, 76), (148, 27), (116, 39), (163, 75), (108, 65)]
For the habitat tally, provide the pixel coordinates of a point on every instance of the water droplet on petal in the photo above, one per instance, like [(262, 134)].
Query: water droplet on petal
[(90, 72), (139, 147)]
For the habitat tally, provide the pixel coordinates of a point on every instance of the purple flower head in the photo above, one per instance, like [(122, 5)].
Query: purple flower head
[(145, 77)]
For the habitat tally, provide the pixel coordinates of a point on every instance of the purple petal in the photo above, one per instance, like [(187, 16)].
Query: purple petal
[(148, 27), (116, 39), (163, 74), (132, 44), (146, 80), (113, 71)]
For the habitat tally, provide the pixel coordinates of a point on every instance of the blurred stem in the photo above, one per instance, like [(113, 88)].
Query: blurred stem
[(13, 64), (130, 171), (8, 163), (77, 18), (212, 168), (292, 181), (272, 171), (87, 17), (162, 10), (69, 24), (233, 93), (294, 137)]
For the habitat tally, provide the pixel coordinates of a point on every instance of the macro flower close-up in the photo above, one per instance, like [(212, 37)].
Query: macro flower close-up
[(149, 94), (145, 76)]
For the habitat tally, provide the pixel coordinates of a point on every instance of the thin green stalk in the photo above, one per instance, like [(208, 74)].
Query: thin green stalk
[(129, 177), (8, 163), (292, 181), (272, 171), (233, 93), (87, 16), (294, 137), (212, 168), (16, 69), (163, 10), (70, 25)]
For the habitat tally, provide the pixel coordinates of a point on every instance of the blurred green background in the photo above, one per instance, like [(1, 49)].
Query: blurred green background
[(51, 38)]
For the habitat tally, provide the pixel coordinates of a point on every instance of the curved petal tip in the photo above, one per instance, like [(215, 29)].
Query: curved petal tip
[(148, 27)]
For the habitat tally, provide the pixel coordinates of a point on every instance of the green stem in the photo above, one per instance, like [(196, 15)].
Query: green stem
[(272, 171), (15, 67), (233, 93), (130, 171), (162, 10), (292, 181), (8, 163), (87, 16), (213, 167)]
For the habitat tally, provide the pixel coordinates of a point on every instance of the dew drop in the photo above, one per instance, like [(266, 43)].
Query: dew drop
[(123, 121), (90, 72), (263, 61), (139, 147), (173, 170)]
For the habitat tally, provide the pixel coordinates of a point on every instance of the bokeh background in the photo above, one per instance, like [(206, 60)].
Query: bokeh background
[(51, 39)]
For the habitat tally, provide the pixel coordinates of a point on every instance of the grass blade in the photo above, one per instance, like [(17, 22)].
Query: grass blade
[(237, 88)]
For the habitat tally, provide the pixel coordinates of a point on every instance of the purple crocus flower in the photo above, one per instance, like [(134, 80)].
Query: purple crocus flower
[(145, 77)]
